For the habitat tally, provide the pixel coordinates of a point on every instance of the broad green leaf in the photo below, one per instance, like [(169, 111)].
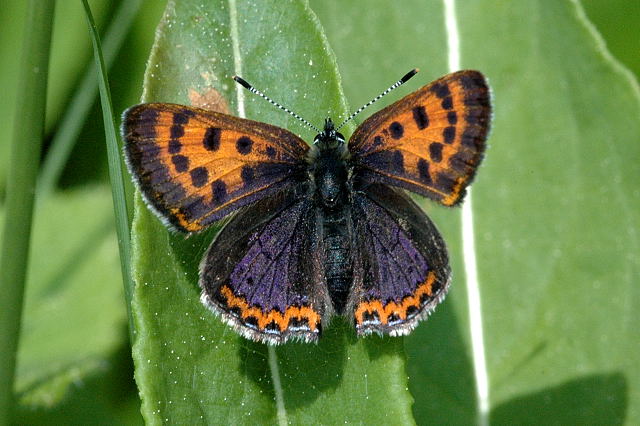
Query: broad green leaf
[(556, 211), (74, 319), (190, 368)]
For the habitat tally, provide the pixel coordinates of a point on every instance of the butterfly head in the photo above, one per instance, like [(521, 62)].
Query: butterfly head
[(329, 138)]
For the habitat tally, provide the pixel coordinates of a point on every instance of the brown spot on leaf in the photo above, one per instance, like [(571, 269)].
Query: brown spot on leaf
[(210, 99)]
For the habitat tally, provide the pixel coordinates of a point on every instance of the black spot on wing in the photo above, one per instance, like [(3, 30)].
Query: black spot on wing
[(199, 177), (449, 134), (195, 209), (244, 145), (180, 162), (174, 146), (445, 182), (420, 117), (182, 117), (251, 322), (435, 152), (176, 131), (211, 140), (396, 130), (247, 174), (272, 327), (441, 90), (219, 191), (423, 171)]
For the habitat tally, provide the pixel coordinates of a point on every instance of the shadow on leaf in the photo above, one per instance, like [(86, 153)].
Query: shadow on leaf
[(440, 371), (596, 399), (306, 370), (108, 396)]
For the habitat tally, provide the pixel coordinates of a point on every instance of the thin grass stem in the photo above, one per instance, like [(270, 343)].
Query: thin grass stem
[(21, 182), (115, 169)]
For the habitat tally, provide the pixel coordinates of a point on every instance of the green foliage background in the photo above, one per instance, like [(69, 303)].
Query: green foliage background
[(555, 204)]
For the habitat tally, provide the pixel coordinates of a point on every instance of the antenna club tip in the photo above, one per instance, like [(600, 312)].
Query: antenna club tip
[(410, 74), (241, 81)]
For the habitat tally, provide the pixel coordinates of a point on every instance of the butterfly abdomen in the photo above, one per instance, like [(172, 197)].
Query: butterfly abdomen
[(337, 264), (332, 198)]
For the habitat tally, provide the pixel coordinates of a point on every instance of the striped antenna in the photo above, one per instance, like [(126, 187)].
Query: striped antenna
[(397, 84), (250, 88)]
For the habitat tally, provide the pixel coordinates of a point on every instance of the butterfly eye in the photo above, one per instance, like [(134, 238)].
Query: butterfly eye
[(340, 137)]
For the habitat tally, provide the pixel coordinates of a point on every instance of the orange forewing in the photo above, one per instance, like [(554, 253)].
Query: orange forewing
[(195, 166), (431, 141)]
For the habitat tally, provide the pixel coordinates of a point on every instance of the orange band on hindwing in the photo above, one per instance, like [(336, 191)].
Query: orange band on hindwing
[(399, 310), (283, 320)]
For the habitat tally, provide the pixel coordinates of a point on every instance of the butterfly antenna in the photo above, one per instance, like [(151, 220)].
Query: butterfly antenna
[(252, 89), (397, 84)]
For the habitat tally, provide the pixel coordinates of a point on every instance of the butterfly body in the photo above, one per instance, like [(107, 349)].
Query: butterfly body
[(315, 230), (329, 172)]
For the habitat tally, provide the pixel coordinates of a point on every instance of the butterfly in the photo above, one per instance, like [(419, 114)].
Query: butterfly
[(316, 230)]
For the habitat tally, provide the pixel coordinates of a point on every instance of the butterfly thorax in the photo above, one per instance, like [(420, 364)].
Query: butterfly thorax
[(330, 177), (329, 168)]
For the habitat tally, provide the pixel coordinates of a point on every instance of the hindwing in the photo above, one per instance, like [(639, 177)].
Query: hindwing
[(402, 268), (263, 274)]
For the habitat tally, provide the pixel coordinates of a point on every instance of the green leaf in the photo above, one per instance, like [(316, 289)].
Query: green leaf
[(555, 206), (189, 366), (557, 213)]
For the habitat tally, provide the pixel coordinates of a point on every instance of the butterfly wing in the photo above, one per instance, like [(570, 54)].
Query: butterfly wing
[(195, 166), (430, 142), (263, 274), (401, 267)]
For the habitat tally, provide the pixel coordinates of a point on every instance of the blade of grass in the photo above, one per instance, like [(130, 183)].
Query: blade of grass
[(23, 170), (83, 98), (115, 169)]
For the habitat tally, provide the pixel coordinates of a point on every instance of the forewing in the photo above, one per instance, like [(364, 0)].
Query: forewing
[(402, 269), (430, 142), (263, 275), (195, 166)]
